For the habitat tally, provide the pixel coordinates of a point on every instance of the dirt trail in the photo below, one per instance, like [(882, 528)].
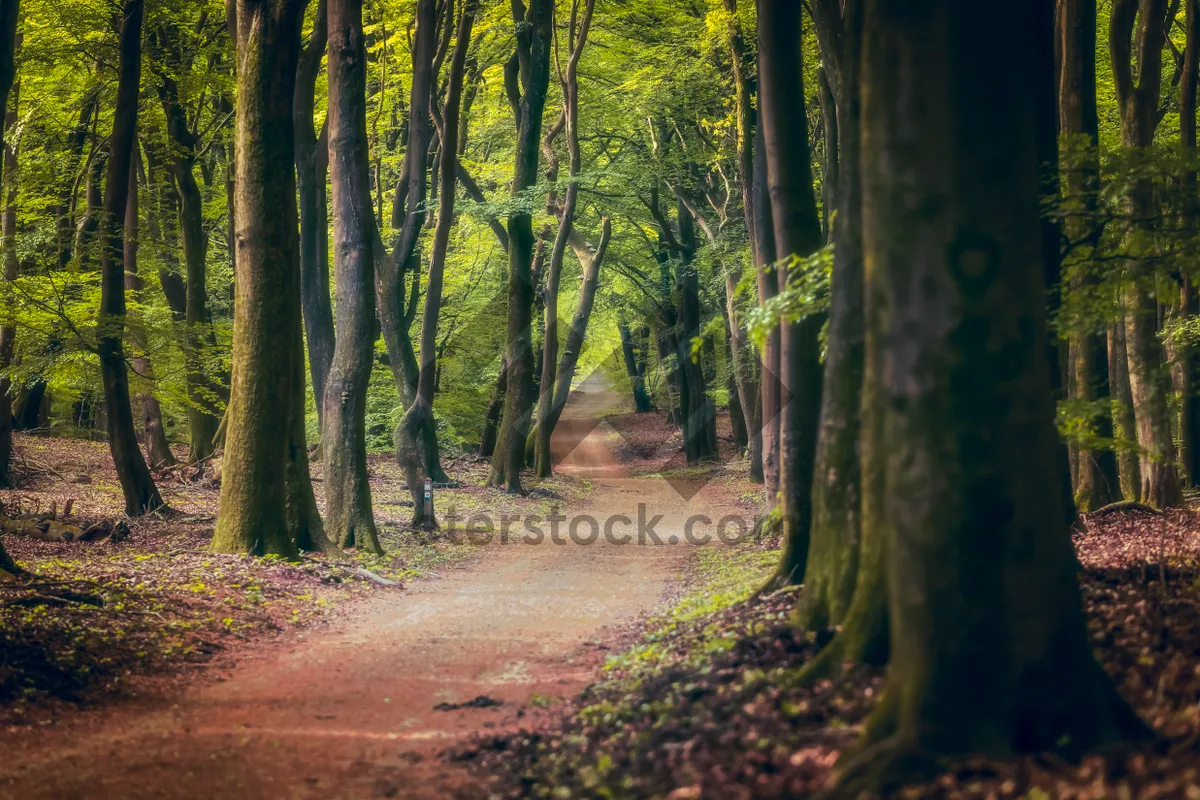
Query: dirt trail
[(348, 712)]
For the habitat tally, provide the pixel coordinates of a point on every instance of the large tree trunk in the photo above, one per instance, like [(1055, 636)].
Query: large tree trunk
[(257, 493), (154, 437), (990, 652), (1096, 482), (312, 166), (1187, 363), (534, 36), (797, 230), (419, 414), (1148, 379), (349, 518), (837, 485), (141, 495)]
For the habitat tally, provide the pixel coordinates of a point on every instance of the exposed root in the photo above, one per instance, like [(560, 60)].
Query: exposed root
[(1125, 505)]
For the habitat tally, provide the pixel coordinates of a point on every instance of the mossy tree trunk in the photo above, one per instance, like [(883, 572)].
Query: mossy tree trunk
[(349, 518), (837, 483), (768, 286), (141, 495), (989, 646), (797, 229), (534, 38), (268, 364)]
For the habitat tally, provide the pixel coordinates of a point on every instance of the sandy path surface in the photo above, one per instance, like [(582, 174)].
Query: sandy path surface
[(348, 712)]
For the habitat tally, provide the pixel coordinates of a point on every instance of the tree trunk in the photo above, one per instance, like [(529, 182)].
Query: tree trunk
[(797, 230), (1149, 381), (349, 518), (635, 370), (419, 414), (257, 512), (768, 287), (10, 43), (1096, 482), (202, 390), (534, 36), (990, 651), (1125, 425), (837, 486), (312, 167), (1186, 362), (154, 437), (141, 495)]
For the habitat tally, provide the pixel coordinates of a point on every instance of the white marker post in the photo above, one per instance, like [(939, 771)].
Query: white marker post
[(428, 504)]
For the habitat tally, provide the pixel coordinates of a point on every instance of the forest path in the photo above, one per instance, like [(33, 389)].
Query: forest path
[(348, 711)]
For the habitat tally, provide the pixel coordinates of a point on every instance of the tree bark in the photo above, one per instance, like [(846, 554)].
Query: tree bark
[(534, 36), (141, 495), (312, 167), (797, 229), (257, 512), (768, 287), (634, 368), (833, 560), (10, 43), (419, 414), (202, 390), (154, 437), (1149, 381), (349, 518), (990, 651), (1096, 481)]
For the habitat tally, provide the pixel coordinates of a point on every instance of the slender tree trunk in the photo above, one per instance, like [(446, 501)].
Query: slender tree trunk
[(768, 287), (491, 417), (258, 511), (1125, 425), (1096, 482), (1148, 380), (349, 518), (990, 651), (797, 233), (635, 371), (419, 414), (534, 38), (141, 495), (312, 166), (10, 42), (202, 390), (154, 437)]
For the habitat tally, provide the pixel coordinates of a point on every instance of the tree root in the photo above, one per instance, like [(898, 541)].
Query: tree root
[(1125, 505)]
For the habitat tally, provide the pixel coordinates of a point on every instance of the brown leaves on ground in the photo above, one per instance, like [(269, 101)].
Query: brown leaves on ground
[(719, 715)]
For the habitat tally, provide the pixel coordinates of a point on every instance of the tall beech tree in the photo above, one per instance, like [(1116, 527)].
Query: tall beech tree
[(1096, 479), (257, 513), (349, 518), (549, 406), (990, 652), (141, 495), (419, 414), (797, 229), (312, 168), (527, 86), (9, 20), (1138, 102)]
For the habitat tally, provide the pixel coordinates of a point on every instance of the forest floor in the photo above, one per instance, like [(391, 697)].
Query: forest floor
[(319, 681)]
